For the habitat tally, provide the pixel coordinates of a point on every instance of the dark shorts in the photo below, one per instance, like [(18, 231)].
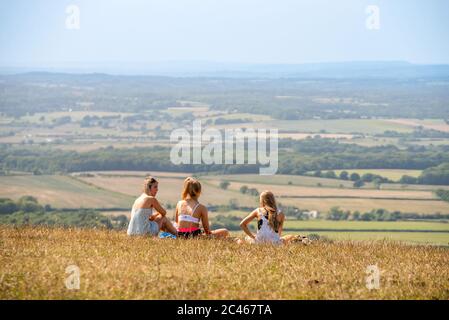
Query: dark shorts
[(190, 234)]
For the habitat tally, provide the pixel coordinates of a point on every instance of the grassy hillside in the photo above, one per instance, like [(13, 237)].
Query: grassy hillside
[(113, 266)]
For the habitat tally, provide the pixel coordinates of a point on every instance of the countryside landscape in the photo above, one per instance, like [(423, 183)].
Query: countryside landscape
[(76, 148), (346, 170), (340, 109)]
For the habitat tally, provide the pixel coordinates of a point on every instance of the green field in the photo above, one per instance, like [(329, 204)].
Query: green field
[(436, 233), (367, 225), (439, 239)]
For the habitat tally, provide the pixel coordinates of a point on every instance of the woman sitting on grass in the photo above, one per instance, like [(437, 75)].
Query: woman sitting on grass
[(270, 222), (189, 213), (143, 220)]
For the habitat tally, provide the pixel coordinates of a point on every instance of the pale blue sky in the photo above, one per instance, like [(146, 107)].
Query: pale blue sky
[(33, 33)]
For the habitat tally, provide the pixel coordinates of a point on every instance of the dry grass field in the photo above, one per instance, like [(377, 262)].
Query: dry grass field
[(324, 198), (33, 264), (170, 188), (61, 192), (117, 189), (303, 191)]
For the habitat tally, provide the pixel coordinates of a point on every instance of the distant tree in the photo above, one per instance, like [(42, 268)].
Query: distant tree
[(355, 176), (358, 184), (344, 175), (330, 175), (443, 194), (253, 192), (224, 185), (27, 199), (355, 216), (7, 206), (336, 214), (233, 204), (368, 216), (408, 180), (243, 189), (377, 182)]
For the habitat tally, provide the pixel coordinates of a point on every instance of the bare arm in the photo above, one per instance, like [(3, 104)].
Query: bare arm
[(205, 220), (246, 221), (156, 205), (176, 214)]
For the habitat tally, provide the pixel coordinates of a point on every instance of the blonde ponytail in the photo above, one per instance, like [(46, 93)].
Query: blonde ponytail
[(268, 202), (192, 188)]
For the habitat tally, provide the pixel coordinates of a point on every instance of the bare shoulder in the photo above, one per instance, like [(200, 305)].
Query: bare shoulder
[(148, 200), (202, 208)]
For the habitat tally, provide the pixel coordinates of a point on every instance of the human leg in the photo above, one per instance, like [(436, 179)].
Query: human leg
[(220, 233), (165, 224)]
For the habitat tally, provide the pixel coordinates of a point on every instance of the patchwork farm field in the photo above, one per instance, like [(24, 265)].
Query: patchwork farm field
[(170, 189), (118, 189), (62, 192)]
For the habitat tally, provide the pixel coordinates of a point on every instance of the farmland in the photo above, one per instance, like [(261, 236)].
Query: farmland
[(117, 189), (62, 192), (94, 147)]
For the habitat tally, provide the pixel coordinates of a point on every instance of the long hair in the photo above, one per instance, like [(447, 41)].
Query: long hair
[(148, 183), (192, 189), (268, 202)]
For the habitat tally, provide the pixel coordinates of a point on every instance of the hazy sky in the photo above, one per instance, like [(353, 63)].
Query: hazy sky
[(34, 33)]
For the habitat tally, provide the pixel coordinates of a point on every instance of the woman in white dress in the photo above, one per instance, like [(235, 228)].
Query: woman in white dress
[(143, 220), (270, 222)]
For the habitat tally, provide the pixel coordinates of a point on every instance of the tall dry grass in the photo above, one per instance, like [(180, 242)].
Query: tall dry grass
[(114, 266)]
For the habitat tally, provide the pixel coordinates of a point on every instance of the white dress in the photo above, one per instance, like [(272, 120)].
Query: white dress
[(140, 223), (265, 234)]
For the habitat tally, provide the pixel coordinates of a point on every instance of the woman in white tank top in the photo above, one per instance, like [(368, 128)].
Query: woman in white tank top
[(270, 222), (143, 220)]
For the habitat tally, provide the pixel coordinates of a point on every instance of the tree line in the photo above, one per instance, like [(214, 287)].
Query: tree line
[(295, 157)]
